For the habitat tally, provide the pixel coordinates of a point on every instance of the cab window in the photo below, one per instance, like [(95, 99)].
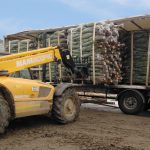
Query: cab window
[(25, 74)]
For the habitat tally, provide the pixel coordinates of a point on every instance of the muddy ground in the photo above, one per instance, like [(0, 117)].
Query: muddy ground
[(97, 128)]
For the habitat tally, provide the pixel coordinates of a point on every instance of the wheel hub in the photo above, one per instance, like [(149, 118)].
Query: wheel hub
[(130, 102), (69, 108)]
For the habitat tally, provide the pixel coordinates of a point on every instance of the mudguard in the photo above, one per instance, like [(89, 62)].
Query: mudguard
[(60, 88)]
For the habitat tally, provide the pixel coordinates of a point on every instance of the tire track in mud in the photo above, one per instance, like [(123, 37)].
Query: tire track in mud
[(94, 130)]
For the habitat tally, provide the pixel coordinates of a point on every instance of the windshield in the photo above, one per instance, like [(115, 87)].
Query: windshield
[(25, 74)]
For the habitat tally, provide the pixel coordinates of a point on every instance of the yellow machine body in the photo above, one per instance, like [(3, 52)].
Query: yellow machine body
[(29, 97)]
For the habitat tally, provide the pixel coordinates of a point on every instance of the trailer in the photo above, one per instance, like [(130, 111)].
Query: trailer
[(132, 93), (131, 99)]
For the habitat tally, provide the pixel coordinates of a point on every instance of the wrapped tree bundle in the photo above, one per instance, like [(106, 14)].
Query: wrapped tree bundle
[(140, 58), (14, 46), (125, 37), (87, 45), (80, 42), (108, 58), (23, 46), (57, 72), (74, 41)]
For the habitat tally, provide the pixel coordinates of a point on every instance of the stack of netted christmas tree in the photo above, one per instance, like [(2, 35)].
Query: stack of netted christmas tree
[(100, 43)]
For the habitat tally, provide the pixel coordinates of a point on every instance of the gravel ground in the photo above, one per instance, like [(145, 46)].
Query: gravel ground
[(98, 127)]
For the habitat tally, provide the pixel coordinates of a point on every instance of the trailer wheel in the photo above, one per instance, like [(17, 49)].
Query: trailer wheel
[(131, 102), (4, 114), (66, 107)]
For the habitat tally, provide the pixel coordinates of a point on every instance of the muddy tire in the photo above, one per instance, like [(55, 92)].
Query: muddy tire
[(4, 114), (66, 107)]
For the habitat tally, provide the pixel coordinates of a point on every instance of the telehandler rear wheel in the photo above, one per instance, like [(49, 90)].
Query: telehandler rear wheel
[(4, 114), (66, 107)]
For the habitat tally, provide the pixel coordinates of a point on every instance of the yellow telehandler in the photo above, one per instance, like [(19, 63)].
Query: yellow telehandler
[(24, 97)]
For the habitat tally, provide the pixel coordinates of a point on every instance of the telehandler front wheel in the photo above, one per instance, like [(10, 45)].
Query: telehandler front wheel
[(4, 114), (66, 107)]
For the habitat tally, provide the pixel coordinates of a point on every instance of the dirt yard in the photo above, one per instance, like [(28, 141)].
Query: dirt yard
[(98, 128)]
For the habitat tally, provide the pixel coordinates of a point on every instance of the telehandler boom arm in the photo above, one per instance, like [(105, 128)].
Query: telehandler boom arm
[(17, 62)]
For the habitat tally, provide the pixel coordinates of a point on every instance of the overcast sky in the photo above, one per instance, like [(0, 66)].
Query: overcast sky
[(19, 15)]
